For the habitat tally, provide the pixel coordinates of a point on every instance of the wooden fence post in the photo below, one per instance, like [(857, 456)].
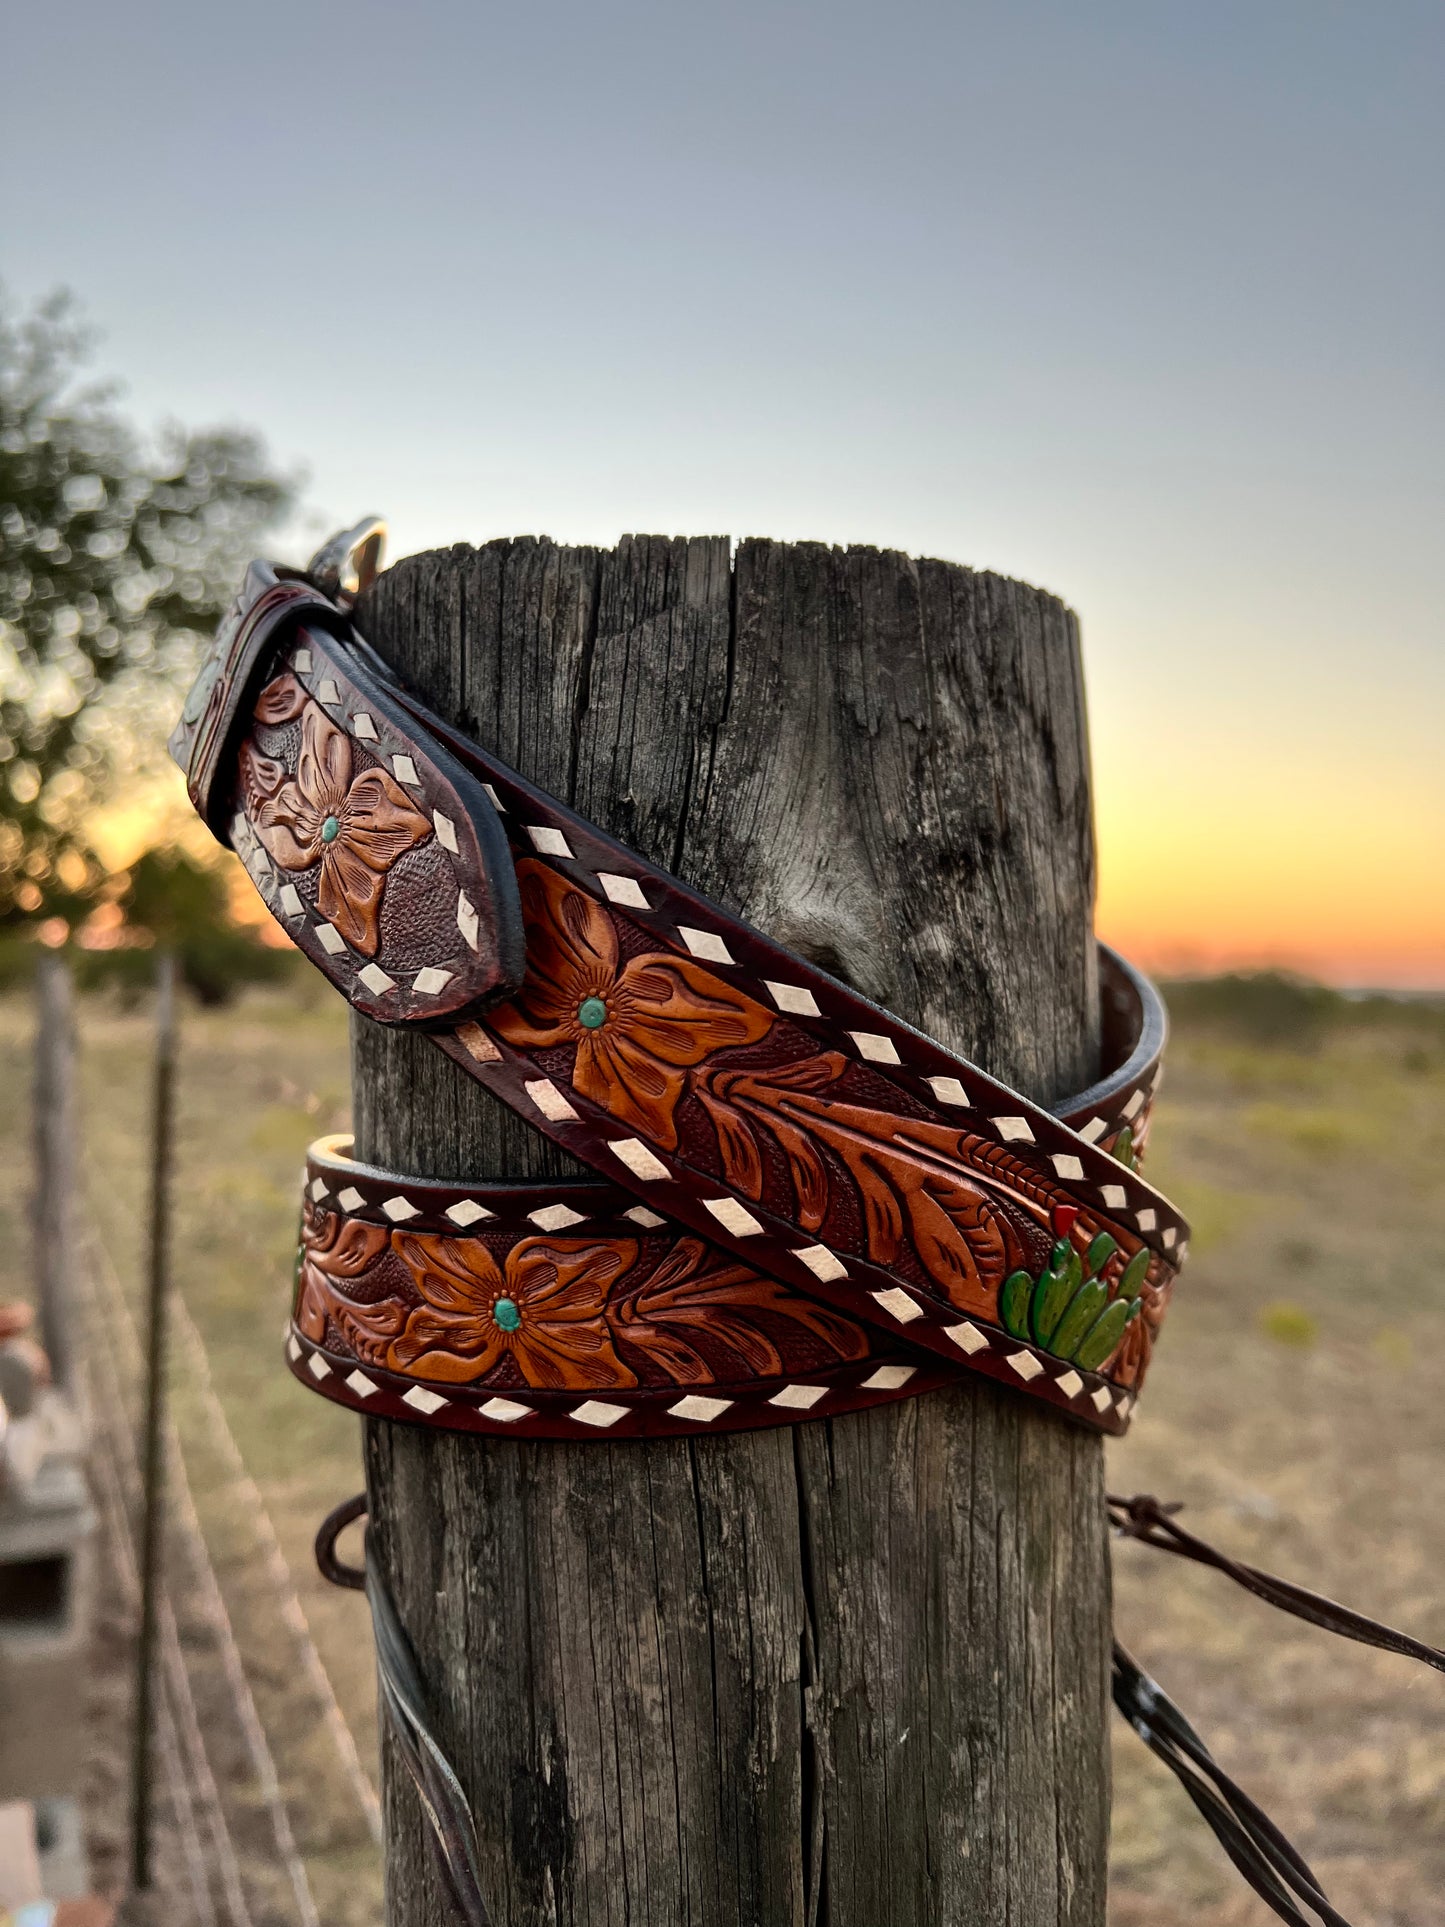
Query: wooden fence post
[(153, 1422), (852, 1674), (54, 1197)]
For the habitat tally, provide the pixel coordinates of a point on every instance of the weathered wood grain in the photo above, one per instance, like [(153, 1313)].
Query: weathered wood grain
[(848, 1674)]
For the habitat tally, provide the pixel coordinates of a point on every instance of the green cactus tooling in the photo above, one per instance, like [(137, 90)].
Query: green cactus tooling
[(1070, 1309)]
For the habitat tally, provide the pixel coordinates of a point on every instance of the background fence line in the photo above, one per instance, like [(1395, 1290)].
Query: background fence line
[(118, 1531), (213, 1603), (184, 1718), (278, 1571)]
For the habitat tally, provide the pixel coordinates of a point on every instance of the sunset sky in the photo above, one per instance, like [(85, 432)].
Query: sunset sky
[(1141, 302)]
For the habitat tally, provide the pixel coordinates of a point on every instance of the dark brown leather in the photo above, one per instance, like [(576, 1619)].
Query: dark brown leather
[(883, 1201), (377, 852)]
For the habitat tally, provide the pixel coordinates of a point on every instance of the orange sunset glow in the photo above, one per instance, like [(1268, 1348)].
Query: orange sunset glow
[(1137, 307), (1336, 887), (1353, 902)]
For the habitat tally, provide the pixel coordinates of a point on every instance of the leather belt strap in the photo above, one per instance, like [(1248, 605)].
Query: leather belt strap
[(806, 1205)]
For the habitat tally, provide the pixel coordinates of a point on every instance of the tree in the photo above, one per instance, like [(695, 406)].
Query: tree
[(116, 559)]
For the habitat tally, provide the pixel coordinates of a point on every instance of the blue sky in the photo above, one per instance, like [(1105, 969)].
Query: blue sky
[(1140, 302)]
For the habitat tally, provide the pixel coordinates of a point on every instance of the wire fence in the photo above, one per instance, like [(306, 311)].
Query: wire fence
[(236, 1832)]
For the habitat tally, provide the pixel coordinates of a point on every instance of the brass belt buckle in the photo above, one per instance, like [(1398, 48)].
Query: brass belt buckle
[(348, 563), (270, 596)]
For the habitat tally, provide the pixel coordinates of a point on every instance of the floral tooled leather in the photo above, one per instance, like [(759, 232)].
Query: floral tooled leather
[(816, 1187), (580, 1314), (335, 1252), (555, 1330), (913, 1192), (699, 1302), (951, 1208), (663, 1018), (352, 824), (659, 1014)]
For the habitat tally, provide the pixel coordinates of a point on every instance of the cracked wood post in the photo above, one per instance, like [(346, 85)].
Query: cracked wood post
[(852, 1673)]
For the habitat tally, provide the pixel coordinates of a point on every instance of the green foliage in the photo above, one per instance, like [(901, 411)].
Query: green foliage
[(181, 905), (169, 901), (1288, 1324), (1319, 1130), (115, 561), (1101, 1250), (171, 897), (1262, 1007)]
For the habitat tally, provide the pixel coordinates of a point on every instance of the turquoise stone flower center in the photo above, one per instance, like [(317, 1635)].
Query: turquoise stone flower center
[(592, 1013), (330, 830), (506, 1314)]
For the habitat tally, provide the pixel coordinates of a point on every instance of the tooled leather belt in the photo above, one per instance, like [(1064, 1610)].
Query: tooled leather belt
[(803, 1206)]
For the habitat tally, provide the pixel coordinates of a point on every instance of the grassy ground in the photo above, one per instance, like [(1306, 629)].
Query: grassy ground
[(1296, 1406)]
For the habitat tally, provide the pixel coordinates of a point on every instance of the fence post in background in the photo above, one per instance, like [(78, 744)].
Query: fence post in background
[(53, 1202), (152, 1522), (849, 1673)]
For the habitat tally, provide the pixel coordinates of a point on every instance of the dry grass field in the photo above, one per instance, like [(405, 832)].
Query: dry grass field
[(1297, 1406)]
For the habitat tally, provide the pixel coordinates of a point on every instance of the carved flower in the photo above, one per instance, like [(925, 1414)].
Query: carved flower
[(336, 1251), (355, 828), (637, 1026), (545, 1310)]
